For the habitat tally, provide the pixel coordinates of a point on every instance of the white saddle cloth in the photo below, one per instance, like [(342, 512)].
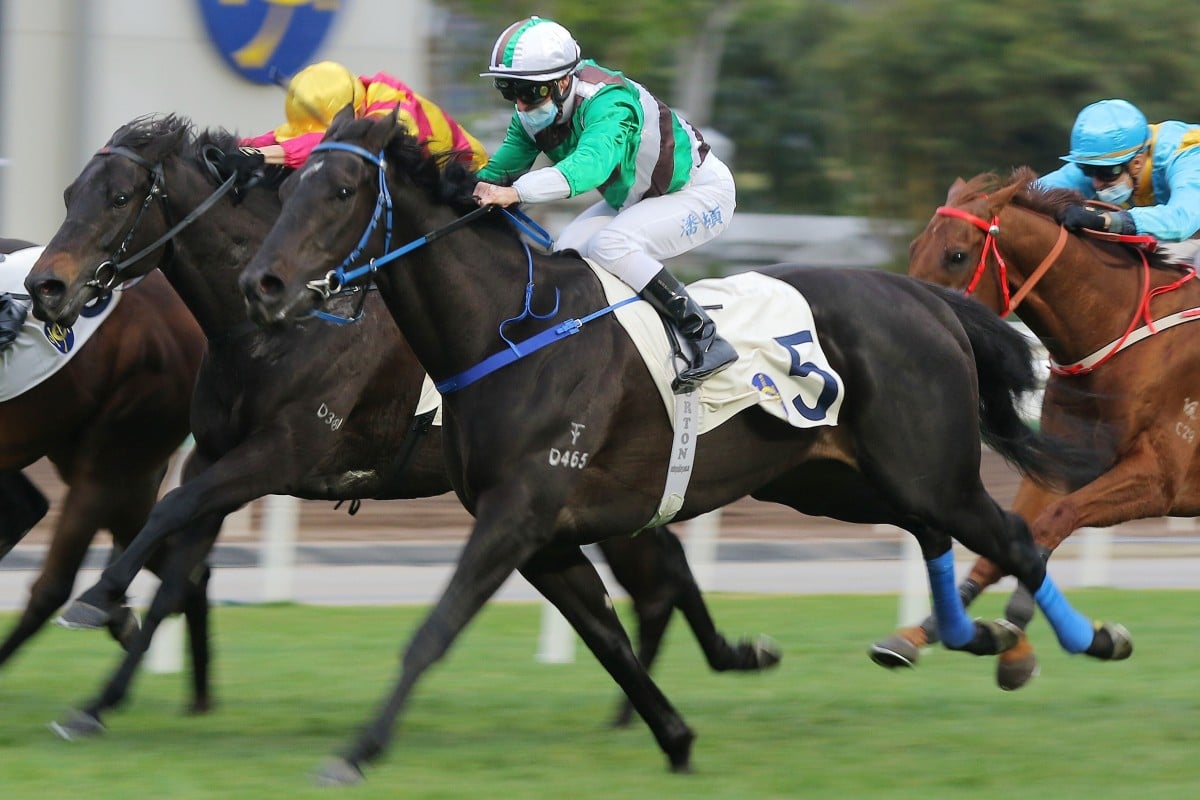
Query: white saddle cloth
[(781, 366), (41, 349)]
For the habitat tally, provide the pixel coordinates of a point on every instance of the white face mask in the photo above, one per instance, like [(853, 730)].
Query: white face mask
[(1117, 194), (538, 119)]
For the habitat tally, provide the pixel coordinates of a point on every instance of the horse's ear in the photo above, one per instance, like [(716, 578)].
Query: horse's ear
[(342, 117), (955, 189)]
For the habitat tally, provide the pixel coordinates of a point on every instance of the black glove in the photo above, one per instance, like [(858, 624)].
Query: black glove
[(1074, 218), (243, 162)]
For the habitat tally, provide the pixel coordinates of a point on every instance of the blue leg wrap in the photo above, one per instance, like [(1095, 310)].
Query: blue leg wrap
[(954, 626), (1074, 630)]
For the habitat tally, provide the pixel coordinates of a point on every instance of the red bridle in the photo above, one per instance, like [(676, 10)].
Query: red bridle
[(991, 231)]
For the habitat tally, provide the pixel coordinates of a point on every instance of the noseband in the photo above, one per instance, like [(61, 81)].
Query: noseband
[(107, 274), (338, 278), (991, 230)]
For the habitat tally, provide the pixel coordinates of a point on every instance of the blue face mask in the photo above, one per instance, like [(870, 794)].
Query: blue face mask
[(538, 119), (1117, 194)]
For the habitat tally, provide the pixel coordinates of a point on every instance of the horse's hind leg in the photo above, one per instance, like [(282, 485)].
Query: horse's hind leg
[(176, 589), (196, 615), (81, 512), (569, 581), (1003, 538), (653, 569)]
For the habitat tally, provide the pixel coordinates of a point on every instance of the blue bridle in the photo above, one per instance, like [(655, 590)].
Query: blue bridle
[(345, 273)]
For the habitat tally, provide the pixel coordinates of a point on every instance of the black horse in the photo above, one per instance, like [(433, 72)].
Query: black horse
[(256, 409), (108, 421), (921, 369)]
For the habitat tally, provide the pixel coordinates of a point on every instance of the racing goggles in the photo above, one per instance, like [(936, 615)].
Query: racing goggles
[(530, 93), (1105, 172)]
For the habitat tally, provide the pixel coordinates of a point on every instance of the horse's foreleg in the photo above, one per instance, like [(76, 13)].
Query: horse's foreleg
[(569, 581), (169, 599), (68, 547), (491, 554), (220, 488)]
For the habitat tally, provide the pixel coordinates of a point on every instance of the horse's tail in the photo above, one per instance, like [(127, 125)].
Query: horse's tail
[(1005, 368)]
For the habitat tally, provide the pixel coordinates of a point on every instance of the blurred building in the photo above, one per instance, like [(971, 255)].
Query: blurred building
[(73, 71)]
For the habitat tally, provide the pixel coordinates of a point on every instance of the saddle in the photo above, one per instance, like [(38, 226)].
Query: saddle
[(13, 310)]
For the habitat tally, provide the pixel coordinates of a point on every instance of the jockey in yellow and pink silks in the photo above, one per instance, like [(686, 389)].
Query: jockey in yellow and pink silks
[(318, 92)]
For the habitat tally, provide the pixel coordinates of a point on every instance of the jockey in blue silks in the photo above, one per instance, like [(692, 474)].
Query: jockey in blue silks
[(1152, 172)]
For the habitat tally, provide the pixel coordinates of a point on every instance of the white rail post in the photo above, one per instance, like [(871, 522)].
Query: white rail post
[(1095, 558), (700, 547), (556, 641), (280, 517), (914, 587), (165, 654)]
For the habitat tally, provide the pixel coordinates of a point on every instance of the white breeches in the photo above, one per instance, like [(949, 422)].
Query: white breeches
[(631, 243)]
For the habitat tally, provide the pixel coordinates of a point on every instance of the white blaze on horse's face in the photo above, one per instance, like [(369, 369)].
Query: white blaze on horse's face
[(312, 169)]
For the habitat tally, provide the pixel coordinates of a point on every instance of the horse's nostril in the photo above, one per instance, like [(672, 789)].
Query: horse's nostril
[(270, 286)]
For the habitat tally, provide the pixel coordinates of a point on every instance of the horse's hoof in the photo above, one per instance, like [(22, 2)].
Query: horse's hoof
[(79, 725), (1111, 642), (199, 707), (81, 616), (679, 751), (338, 772), (767, 652), (124, 627), (1005, 634), (901, 649), (1017, 666)]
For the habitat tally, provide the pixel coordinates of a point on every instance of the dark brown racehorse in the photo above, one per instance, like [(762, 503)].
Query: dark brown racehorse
[(922, 370), (109, 421), (258, 419), (1088, 301)]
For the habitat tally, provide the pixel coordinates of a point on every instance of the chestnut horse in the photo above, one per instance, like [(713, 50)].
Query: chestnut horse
[(1091, 302), (257, 423), (900, 453), (108, 421)]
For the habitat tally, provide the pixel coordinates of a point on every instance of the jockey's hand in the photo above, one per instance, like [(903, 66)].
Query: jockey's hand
[(243, 162), (489, 194), (1075, 218)]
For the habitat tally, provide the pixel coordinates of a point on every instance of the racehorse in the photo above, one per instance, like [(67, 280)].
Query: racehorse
[(109, 420), (265, 399), (1087, 300), (899, 454)]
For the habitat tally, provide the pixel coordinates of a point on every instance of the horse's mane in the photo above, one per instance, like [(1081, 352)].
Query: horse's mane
[(1045, 201), (156, 136), (444, 176)]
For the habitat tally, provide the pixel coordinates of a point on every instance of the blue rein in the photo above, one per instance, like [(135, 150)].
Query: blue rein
[(342, 275)]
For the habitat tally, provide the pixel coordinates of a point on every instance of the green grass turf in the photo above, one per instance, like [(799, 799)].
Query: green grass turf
[(294, 682)]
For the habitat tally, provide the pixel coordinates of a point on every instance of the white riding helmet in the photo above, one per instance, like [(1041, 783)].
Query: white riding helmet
[(533, 49)]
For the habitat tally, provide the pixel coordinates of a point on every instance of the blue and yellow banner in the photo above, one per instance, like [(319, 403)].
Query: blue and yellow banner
[(266, 40)]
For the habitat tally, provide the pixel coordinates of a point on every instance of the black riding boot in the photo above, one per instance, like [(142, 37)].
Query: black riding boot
[(712, 353)]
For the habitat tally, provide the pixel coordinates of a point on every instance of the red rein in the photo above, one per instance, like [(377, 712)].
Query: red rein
[(992, 229)]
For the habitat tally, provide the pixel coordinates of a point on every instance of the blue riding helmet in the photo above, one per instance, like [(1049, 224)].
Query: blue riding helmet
[(1108, 132)]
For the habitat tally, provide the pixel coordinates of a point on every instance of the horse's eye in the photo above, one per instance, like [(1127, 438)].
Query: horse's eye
[(120, 201), (345, 193), (957, 257)]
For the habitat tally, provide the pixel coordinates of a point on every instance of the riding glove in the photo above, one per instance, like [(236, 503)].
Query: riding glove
[(243, 161), (1074, 218)]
